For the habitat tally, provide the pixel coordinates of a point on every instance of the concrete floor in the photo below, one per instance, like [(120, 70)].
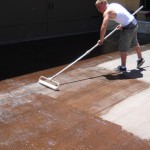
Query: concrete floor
[(94, 109)]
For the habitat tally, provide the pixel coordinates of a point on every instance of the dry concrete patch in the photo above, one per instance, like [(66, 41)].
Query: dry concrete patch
[(133, 113)]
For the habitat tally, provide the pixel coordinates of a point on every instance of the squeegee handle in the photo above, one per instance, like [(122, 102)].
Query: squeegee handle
[(87, 52), (137, 10)]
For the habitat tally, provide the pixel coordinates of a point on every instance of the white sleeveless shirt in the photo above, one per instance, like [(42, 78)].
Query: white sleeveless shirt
[(123, 16)]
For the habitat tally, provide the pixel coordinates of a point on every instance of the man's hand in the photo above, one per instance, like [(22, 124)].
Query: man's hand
[(100, 42), (119, 27)]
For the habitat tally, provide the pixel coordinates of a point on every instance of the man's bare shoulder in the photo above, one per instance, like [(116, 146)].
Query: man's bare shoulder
[(111, 13)]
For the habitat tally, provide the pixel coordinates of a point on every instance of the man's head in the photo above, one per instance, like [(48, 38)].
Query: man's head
[(101, 5), (100, 1)]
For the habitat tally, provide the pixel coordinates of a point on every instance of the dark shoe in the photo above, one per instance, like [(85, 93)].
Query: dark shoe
[(140, 62), (120, 69)]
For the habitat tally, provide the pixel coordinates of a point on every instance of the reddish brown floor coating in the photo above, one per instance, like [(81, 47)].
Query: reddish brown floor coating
[(33, 117)]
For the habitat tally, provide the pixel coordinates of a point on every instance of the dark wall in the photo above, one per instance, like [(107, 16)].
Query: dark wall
[(22, 20), (146, 4)]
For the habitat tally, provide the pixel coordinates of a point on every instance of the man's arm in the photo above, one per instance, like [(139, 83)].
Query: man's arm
[(103, 27)]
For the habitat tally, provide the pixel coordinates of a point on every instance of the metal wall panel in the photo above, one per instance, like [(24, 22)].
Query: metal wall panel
[(32, 19)]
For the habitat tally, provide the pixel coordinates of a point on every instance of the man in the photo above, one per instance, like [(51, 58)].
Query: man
[(128, 27)]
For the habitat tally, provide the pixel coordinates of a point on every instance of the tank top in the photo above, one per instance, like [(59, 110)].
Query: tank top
[(123, 16)]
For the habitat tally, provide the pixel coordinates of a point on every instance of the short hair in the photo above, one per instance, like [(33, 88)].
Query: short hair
[(100, 1)]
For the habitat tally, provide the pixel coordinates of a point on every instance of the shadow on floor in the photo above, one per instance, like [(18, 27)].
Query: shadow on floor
[(132, 74)]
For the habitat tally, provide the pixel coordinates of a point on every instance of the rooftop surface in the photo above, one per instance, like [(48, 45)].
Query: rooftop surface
[(94, 109)]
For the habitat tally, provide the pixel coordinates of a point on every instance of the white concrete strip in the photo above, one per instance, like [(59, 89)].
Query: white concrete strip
[(133, 114)]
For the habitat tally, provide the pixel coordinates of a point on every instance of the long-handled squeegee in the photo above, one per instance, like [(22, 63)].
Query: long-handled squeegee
[(50, 83)]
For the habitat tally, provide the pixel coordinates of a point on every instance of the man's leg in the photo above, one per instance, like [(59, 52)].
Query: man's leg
[(123, 58), (122, 67), (124, 46), (135, 45), (138, 51), (140, 60)]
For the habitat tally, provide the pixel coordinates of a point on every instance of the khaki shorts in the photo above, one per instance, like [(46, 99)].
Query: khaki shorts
[(128, 39)]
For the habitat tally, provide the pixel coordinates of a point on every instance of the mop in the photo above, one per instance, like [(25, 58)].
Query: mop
[(52, 84)]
